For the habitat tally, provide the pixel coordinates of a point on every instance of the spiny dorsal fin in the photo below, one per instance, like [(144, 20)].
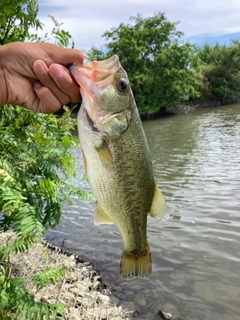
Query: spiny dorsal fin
[(100, 216), (158, 208)]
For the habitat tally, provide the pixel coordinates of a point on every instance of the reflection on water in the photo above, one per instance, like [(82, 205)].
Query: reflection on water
[(196, 253)]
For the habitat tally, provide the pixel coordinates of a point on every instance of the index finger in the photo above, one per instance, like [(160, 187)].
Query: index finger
[(66, 56), (65, 82)]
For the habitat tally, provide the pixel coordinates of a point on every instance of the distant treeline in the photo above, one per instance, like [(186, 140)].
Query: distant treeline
[(165, 71)]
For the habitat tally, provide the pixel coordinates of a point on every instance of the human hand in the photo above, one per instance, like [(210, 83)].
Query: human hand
[(35, 76)]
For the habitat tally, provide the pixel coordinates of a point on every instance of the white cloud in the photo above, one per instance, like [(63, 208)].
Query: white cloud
[(88, 20)]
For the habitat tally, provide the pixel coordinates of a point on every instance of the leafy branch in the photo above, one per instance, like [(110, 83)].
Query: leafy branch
[(36, 174)]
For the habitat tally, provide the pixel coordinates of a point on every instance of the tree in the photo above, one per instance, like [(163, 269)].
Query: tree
[(158, 65), (16, 17), (95, 54), (221, 71), (36, 168)]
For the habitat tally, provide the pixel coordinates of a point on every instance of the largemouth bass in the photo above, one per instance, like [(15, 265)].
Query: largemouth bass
[(117, 160)]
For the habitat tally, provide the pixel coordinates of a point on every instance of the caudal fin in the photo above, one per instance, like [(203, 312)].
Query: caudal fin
[(136, 264)]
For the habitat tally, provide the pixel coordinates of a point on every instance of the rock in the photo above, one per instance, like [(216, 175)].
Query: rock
[(96, 285), (104, 299), (79, 290), (142, 301), (163, 315)]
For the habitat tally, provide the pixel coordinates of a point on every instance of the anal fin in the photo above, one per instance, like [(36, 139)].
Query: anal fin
[(100, 216), (158, 208)]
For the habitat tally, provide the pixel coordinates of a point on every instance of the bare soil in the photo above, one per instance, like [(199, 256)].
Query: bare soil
[(81, 289)]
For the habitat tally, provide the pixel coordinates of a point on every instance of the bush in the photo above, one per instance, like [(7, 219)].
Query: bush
[(221, 71), (36, 166)]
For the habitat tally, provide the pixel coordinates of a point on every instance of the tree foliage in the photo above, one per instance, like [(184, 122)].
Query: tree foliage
[(36, 168), (95, 54), (166, 72), (35, 148), (221, 71), (159, 66), (16, 17), (57, 35)]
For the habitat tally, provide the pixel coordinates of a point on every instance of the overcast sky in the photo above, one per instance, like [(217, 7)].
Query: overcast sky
[(86, 21)]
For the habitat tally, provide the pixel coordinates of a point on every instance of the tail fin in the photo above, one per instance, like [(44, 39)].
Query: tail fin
[(136, 264)]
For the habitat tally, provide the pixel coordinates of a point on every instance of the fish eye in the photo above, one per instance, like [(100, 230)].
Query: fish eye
[(122, 85)]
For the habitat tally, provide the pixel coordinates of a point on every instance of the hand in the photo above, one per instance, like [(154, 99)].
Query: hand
[(34, 75)]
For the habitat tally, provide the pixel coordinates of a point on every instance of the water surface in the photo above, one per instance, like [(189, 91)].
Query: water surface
[(196, 252)]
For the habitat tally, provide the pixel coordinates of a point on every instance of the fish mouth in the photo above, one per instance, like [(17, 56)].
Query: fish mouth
[(95, 73), (92, 78), (99, 71)]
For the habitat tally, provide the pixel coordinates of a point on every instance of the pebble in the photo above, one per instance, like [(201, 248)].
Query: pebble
[(96, 285), (104, 299), (80, 290), (165, 315), (142, 301)]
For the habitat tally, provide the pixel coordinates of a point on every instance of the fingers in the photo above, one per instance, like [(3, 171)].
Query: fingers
[(42, 73), (64, 81), (47, 102), (58, 81), (66, 57)]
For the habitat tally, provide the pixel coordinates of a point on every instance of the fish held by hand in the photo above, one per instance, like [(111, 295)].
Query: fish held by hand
[(117, 160)]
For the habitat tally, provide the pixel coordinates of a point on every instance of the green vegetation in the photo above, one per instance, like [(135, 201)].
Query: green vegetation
[(166, 72), (16, 17), (35, 160), (36, 168), (159, 66), (220, 72)]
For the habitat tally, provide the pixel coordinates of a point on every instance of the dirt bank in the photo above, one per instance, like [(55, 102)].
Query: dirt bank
[(81, 290)]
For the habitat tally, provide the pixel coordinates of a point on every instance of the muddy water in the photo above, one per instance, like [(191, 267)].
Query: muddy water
[(196, 252)]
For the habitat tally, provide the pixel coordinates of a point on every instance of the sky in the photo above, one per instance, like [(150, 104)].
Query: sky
[(202, 21)]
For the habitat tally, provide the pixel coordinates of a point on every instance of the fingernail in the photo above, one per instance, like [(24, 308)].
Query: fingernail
[(56, 71), (39, 69), (37, 84)]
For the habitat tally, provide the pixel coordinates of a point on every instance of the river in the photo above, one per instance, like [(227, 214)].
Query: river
[(196, 252)]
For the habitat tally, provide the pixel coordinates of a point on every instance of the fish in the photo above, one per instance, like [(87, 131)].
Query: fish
[(117, 160)]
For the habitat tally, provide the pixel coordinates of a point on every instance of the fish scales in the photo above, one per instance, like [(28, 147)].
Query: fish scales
[(127, 189), (117, 160)]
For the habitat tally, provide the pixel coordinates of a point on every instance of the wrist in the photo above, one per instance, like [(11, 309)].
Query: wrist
[(3, 81)]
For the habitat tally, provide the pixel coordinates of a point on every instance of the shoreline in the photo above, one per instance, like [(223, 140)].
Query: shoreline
[(191, 107), (81, 289)]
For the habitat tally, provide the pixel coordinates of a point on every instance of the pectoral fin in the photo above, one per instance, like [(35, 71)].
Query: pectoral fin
[(100, 216), (158, 208), (84, 162), (105, 155)]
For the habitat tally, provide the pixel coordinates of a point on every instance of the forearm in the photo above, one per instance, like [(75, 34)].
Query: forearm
[(3, 81)]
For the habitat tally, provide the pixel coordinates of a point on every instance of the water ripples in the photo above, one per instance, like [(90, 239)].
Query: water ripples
[(196, 253)]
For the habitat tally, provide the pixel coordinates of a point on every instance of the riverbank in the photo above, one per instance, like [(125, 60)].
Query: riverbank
[(81, 289), (191, 107)]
